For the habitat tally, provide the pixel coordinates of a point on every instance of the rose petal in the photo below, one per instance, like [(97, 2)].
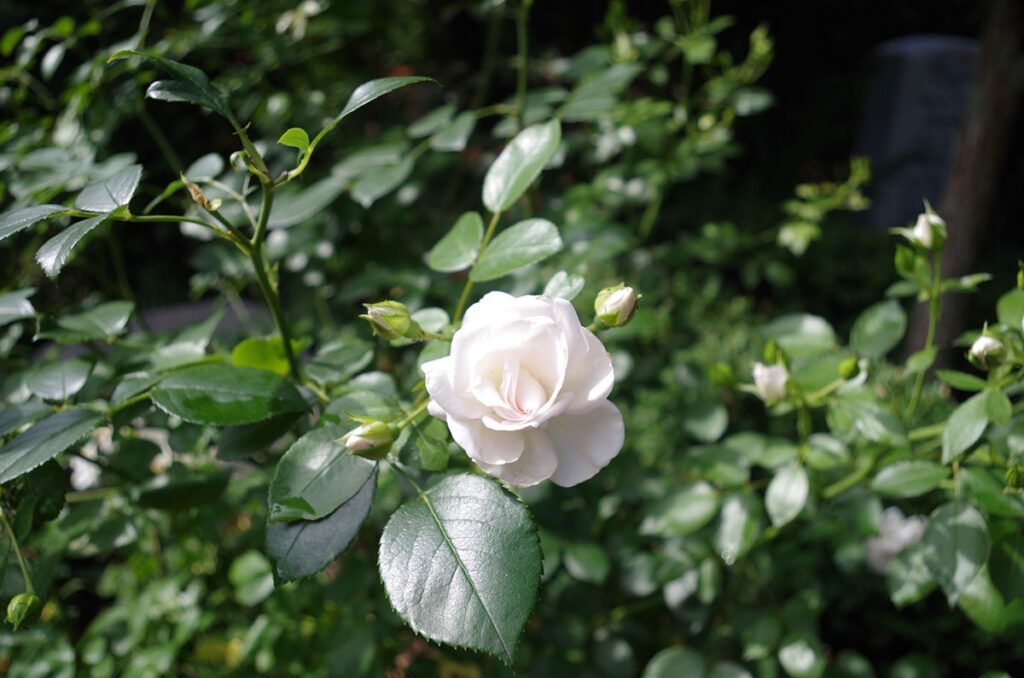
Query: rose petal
[(484, 445), (589, 375), (536, 464), (585, 443), (453, 401)]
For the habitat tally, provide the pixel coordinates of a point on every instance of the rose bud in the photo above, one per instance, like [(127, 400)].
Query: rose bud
[(986, 352), (391, 320), (615, 305), (371, 440), (770, 382), (24, 609), (929, 231)]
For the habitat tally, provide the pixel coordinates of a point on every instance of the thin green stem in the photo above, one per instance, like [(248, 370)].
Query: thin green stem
[(933, 321), (522, 62), (803, 421), (269, 290), (408, 478), (413, 414), (464, 299), (17, 551)]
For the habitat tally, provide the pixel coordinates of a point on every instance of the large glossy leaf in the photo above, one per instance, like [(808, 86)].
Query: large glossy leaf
[(315, 476), (294, 207), (262, 353), (454, 136), (786, 494), (45, 440), (462, 563), (364, 94), (305, 547), (55, 252), (955, 547), (564, 285), (183, 488), (909, 478), (16, 306), (435, 120), (878, 329), (457, 250), (224, 395), (190, 85), (964, 427), (519, 164), (238, 442), (102, 321), (739, 523), (13, 418), (685, 510), (377, 182), (340, 360), (801, 334), (111, 193), (520, 245), (908, 577), (18, 220), (58, 381)]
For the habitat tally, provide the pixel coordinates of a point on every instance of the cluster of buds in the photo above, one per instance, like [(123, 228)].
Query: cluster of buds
[(392, 320), (614, 306)]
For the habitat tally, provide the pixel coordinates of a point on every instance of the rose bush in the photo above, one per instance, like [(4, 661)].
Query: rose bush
[(525, 391)]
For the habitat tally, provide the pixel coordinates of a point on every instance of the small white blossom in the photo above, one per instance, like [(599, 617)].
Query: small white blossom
[(986, 352), (929, 231), (897, 533), (770, 381)]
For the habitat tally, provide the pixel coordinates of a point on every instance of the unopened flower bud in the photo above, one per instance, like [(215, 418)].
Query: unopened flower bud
[(615, 305), (24, 609), (391, 320), (849, 368), (929, 231), (1015, 477), (770, 382), (372, 440), (986, 352)]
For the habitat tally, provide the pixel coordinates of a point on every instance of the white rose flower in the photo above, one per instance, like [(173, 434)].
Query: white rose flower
[(897, 533), (525, 391), (986, 352), (770, 381)]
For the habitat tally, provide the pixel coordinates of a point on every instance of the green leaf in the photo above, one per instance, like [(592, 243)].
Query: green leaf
[(433, 121), (919, 361), (295, 137), (457, 250), (598, 93), (433, 449), (878, 329), (111, 193), (239, 442), (377, 182), (802, 655), (519, 164), (461, 564), (967, 283), (998, 408), (674, 662), (190, 85), (908, 577), (101, 322), (684, 511), (206, 167), (961, 380), (13, 418), (224, 395), (251, 577), (58, 381), (705, 421), (786, 494), (55, 252), (294, 207), (739, 523), (454, 136), (986, 490), (520, 245), (1010, 308), (321, 472), (364, 94), (801, 334), (45, 440), (964, 427), (587, 562), (909, 478), (982, 602), (955, 547), (564, 286), (339, 360), (305, 547), (16, 306), (262, 353), (18, 220)]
